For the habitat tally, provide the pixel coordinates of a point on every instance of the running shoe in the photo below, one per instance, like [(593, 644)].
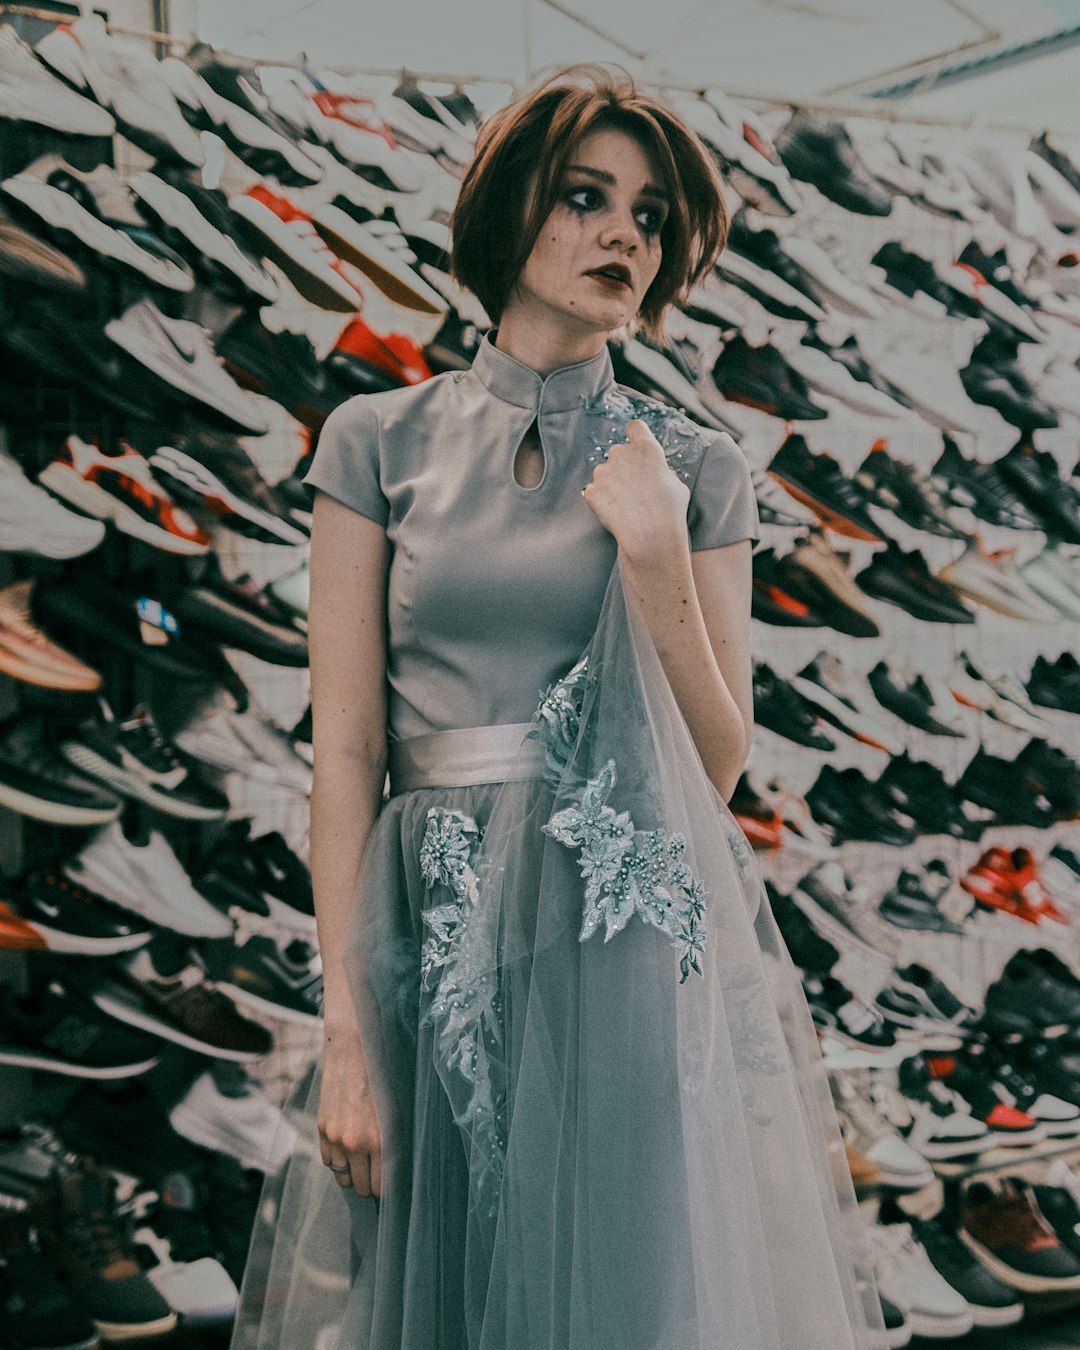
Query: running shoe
[(36, 781), (70, 919), (271, 969), (27, 654), (59, 1030), (33, 522)]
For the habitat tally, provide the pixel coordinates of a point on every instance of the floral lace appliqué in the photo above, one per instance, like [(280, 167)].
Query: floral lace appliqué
[(683, 441), (458, 972), (558, 720), (628, 871)]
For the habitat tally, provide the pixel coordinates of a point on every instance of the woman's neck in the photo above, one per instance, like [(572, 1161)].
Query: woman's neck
[(545, 347)]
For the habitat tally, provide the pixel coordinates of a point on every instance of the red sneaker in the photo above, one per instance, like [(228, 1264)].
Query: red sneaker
[(394, 353), (16, 934), (287, 235), (993, 883), (1031, 887)]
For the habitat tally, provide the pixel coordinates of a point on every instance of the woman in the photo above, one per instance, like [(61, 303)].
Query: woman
[(547, 1135)]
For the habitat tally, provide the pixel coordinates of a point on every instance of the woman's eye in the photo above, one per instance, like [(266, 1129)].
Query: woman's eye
[(584, 198), (651, 219)]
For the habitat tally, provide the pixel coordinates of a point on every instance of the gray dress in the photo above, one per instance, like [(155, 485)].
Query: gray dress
[(605, 1123)]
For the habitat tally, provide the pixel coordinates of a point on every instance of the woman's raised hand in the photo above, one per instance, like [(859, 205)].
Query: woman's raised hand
[(636, 496), (349, 1137)]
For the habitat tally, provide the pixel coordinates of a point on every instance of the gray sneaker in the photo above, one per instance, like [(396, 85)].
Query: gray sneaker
[(844, 909)]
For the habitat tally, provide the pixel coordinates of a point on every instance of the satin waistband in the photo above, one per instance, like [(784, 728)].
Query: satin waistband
[(465, 757)]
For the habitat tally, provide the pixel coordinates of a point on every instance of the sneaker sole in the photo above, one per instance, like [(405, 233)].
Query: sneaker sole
[(192, 477), (70, 485), (835, 521), (30, 1059), (997, 1317), (55, 813), (146, 1021), (848, 719), (336, 229), (281, 246), (132, 1331), (19, 669), (265, 1005), (89, 762), (934, 1328), (1023, 1280), (59, 940)]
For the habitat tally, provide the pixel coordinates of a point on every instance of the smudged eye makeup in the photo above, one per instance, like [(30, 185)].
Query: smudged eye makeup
[(586, 198)]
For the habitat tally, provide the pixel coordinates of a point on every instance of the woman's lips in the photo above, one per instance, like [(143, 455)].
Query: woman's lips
[(619, 282)]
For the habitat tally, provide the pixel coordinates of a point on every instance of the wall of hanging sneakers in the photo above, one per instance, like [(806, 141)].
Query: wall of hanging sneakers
[(893, 337)]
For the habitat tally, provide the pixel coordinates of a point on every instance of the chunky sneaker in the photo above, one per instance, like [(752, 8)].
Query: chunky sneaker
[(214, 474), (992, 1302), (359, 236), (1010, 1235), (903, 578), (135, 760), (905, 491), (911, 698), (1054, 578), (69, 919), (843, 909), (839, 1014), (991, 782), (1055, 684), (898, 1165), (827, 584), (226, 1111), (980, 487), (1034, 992), (907, 1277), (271, 969), (36, 781), (395, 355), (147, 879), (992, 578), (817, 481), (921, 790), (287, 235), (179, 1006), (28, 93), (178, 1262), (778, 707), (244, 743), (27, 654), (122, 488), (915, 901), (989, 1101), (37, 1311), (61, 1031), (826, 683), (181, 354), (916, 999), (33, 522), (933, 1118), (82, 1233), (852, 806)]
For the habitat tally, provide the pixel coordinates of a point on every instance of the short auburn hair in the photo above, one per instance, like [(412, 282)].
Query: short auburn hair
[(532, 140)]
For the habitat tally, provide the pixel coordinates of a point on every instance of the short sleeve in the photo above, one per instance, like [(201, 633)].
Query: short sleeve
[(723, 507), (346, 461)]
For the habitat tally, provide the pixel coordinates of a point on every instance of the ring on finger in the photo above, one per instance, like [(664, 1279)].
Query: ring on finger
[(340, 1168)]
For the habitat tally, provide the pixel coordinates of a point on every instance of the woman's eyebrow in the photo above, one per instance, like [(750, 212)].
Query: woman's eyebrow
[(602, 176)]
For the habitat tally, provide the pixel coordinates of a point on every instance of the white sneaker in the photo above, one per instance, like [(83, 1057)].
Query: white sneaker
[(201, 1291), (180, 213), (1000, 696), (124, 77), (839, 290), (389, 268), (906, 1276), (740, 270), (835, 380), (33, 522), (829, 686), (993, 579), (60, 211), (938, 1128), (933, 387), (898, 1164), (181, 353), (28, 93), (233, 1116), (148, 880), (244, 743), (1051, 575)]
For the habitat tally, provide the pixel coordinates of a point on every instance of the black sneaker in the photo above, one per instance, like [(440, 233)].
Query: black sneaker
[(1062, 1213), (906, 491), (72, 919), (242, 614), (841, 1015), (36, 780), (1055, 684), (993, 783), (1034, 476), (849, 356), (1034, 992), (763, 247), (904, 579), (913, 900), (174, 1001), (817, 481), (778, 707), (212, 472), (82, 1233), (920, 789), (854, 808), (808, 949), (61, 1031), (135, 760), (261, 875), (282, 365), (909, 273), (777, 595), (36, 1311), (271, 970), (993, 1303), (910, 700), (981, 488), (917, 999), (993, 378), (994, 268), (1051, 772), (455, 344), (759, 377), (821, 152)]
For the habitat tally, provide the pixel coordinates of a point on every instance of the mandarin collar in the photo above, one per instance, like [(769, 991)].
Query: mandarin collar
[(562, 391)]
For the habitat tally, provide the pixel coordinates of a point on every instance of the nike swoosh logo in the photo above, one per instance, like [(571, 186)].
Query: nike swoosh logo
[(184, 348)]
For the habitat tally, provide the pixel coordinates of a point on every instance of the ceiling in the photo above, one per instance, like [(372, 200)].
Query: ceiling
[(832, 52)]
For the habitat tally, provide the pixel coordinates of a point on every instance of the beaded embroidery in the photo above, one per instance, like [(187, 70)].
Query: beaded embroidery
[(683, 442), (558, 720), (628, 871)]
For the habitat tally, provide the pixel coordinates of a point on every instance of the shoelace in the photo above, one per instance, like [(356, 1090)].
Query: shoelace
[(148, 744)]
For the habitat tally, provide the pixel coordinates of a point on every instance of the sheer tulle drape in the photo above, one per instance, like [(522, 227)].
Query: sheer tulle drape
[(620, 1141)]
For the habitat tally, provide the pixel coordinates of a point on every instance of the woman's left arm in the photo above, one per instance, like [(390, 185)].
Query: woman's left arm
[(696, 606)]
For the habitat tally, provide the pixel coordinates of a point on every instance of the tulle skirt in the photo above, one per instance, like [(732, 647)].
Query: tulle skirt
[(606, 1124)]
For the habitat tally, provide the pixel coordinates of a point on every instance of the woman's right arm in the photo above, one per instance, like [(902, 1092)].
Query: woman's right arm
[(347, 642)]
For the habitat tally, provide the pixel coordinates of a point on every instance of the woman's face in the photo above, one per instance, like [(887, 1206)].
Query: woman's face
[(599, 250)]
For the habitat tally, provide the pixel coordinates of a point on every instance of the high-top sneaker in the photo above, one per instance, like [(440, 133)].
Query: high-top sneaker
[(36, 1312), (81, 1232)]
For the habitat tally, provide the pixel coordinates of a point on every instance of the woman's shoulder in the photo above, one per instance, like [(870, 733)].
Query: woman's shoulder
[(388, 407), (685, 442)]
